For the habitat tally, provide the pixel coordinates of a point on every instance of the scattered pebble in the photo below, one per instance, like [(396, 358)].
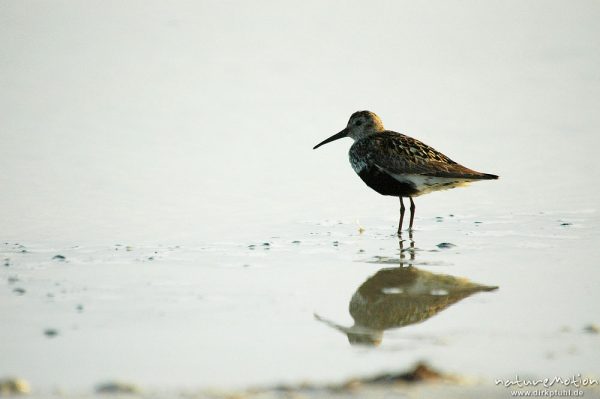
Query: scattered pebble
[(19, 291), (477, 222), (439, 219), (12, 279), (445, 245), (59, 257), (360, 228), (566, 224), (251, 246), (13, 386), (421, 372), (266, 244), (128, 248), (50, 332), (79, 308), (116, 387), (150, 257), (336, 243), (295, 242), (6, 262), (592, 328)]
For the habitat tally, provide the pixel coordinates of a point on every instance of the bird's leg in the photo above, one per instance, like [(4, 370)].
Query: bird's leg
[(412, 245), (402, 209), (412, 213)]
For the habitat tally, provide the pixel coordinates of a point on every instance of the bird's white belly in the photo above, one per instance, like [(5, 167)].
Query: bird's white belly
[(427, 184)]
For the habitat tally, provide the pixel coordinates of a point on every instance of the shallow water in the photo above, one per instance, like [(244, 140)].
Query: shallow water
[(231, 314), (159, 151)]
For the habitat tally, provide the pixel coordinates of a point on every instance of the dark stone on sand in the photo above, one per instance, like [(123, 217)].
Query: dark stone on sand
[(566, 224), (592, 328), (58, 257), (50, 332), (295, 242), (19, 291), (421, 372), (445, 245), (116, 387)]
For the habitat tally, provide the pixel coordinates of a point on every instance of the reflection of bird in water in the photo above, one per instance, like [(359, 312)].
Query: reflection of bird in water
[(397, 165), (400, 296)]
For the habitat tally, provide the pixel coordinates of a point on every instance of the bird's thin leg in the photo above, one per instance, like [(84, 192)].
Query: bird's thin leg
[(412, 213), (402, 209)]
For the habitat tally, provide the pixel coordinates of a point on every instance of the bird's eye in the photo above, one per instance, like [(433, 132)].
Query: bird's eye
[(358, 123)]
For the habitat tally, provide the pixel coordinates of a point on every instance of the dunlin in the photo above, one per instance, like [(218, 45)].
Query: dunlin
[(397, 165)]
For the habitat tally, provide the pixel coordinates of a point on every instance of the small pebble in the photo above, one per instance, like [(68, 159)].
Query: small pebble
[(50, 332), (592, 328), (296, 242), (116, 387), (445, 245), (14, 386), (58, 257), (19, 291)]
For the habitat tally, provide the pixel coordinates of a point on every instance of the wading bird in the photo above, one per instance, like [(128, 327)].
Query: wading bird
[(397, 165)]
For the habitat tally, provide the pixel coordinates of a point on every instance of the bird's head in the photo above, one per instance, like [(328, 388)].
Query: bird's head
[(360, 125)]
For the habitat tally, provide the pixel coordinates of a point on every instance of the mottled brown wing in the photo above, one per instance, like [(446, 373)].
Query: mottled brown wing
[(400, 154)]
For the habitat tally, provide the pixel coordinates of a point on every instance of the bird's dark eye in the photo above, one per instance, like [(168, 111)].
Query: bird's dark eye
[(358, 123)]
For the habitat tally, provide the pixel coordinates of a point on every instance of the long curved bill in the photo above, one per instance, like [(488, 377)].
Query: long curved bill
[(342, 134)]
